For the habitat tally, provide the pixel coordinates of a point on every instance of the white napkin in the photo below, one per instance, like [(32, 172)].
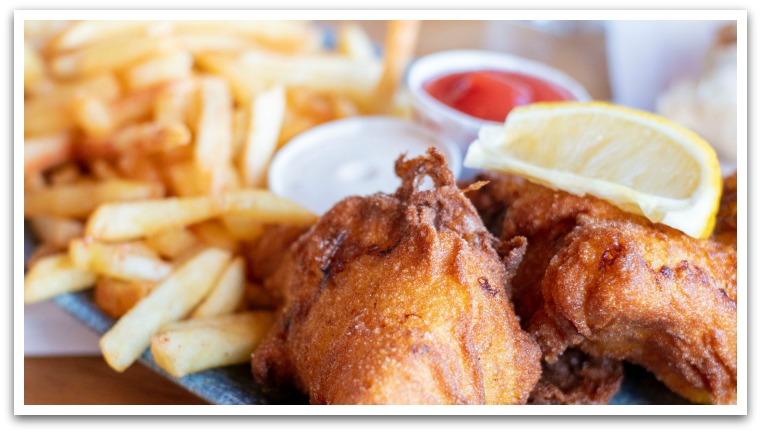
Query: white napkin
[(51, 331)]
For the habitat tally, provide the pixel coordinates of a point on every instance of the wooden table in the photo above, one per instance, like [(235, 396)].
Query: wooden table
[(89, 381)]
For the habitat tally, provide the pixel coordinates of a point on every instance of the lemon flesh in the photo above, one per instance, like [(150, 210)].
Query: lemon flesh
[(638, 161)]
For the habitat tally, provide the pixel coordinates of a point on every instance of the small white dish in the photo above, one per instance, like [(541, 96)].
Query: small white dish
[(353, 156), (458, 126)]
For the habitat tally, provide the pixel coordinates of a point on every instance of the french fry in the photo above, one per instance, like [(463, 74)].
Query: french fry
[(109, 55), (116, 297), (102, 169), (213, 234), (34, 68), (124, 261), (159, 70), (116, 222), (285, 36), (93, 115), (176, 102), (200, 344), (228, 293), (328, 74), (242, 228), (39, 33), (80, 199), (54, 275), (42, 153), (85, 33), (213, 134), (184, 179), (354, 43), (265, 121), (49, 113), (172, 243), (65, 174), (171, 300), (213, 43), (139, 167), (264, 207), (124, 221), (139, 138), (57, 232), (400, 47)]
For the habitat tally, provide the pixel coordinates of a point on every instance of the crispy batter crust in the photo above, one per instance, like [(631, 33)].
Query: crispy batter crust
[(401, 299)]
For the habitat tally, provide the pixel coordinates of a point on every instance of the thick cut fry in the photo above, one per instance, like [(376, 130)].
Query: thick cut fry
[(124, 261), (171, 300), (43, 153), (200, 344), (264, 207), (171, 243), (253, 72), (124, 221), (400, 47), (160, 70), (54, 275), (116, 297), (108, 56), (57, 232), (213, 133), (140, 138), (228, 293), (79, 200), (265, 121)]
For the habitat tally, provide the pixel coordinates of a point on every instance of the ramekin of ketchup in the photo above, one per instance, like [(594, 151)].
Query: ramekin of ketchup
[(458, 92)]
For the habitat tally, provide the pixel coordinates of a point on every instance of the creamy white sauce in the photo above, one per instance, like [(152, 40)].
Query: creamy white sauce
[(350, 157)]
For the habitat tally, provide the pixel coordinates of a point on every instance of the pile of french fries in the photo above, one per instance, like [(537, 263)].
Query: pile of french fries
[(146, 149)]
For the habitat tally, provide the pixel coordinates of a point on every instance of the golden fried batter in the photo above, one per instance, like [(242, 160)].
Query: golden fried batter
[(400, 299), (650, 295), (577, 378), (618, 286), (726, 220)]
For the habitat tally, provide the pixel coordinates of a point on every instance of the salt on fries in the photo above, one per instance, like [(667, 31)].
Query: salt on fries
[(146, 148)]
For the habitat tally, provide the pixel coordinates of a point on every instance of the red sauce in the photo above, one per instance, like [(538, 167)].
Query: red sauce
[(490, 95)]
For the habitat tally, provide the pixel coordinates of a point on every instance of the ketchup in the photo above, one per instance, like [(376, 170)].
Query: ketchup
[(490, 95)]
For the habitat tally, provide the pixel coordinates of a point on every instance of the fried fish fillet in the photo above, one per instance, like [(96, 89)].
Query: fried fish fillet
[(726, 219), (618, 286), (401, 299)]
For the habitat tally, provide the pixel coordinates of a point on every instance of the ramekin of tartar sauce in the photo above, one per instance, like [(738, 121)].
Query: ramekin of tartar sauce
[(457, 92), (352, 156)]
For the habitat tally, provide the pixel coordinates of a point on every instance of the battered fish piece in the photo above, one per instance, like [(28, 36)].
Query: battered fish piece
[(650, 295), (401, 299), (577, 378), (618, 286), (510, 205)]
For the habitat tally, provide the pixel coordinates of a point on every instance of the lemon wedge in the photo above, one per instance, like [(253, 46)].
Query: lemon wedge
[(638, 161)]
